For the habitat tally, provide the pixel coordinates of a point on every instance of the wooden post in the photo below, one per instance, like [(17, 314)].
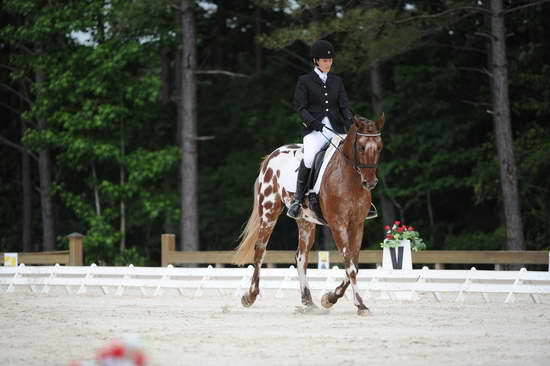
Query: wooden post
[(76, 252), (168, 244), (439, 266), (498, 267)]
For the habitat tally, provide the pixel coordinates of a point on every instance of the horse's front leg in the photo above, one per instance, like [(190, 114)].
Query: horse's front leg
[(306, 234), (352, 266), (341, 238), (330, 298), (348, 242)]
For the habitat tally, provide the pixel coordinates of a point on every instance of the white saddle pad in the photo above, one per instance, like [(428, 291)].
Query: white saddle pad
[(288, 179)]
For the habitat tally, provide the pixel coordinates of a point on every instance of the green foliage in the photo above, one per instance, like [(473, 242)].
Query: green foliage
[(95, 101), (477, 240), (130, 256), (113, 140)]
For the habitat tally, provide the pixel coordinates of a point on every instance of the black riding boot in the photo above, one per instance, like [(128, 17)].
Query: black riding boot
[(303, 174)]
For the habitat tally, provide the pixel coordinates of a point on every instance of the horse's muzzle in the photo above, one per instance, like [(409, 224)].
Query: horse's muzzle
[(369, 185)]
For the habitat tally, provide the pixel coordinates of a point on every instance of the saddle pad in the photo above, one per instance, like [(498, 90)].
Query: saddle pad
[(289, 163), (336, 140)]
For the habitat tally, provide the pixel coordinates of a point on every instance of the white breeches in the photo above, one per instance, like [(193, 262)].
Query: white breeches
[(314, 141)]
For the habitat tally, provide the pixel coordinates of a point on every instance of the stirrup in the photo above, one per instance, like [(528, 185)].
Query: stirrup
[(294, 210), (373, 212)]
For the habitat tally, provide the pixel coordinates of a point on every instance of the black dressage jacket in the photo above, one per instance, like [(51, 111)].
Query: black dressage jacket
[(314, 100)]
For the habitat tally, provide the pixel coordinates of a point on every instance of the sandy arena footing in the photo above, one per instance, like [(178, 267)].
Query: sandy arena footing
[(214, 329)]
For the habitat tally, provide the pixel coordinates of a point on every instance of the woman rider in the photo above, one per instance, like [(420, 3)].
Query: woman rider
[(321, 101)]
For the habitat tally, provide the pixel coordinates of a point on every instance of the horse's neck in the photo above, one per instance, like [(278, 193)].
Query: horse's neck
[(342, 165)]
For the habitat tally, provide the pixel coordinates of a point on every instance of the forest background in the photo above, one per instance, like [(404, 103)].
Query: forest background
[(122, 119)]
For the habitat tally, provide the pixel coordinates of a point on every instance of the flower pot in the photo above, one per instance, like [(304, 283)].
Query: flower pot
[(398, 258)]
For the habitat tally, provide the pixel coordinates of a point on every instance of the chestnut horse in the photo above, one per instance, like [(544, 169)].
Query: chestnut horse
[(344, 197)]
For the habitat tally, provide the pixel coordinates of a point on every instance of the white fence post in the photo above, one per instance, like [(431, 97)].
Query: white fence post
[(198, 292), (18, 270), (165, 278), (465, 285), (511, 296), (286, 279)]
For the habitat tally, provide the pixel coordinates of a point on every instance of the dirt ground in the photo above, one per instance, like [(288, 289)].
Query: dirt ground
[(56, 328)]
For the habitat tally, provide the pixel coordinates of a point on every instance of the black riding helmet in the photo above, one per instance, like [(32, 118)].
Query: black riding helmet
[(322, 49)]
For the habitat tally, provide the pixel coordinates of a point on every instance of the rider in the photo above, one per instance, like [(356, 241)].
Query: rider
[(321, 101)]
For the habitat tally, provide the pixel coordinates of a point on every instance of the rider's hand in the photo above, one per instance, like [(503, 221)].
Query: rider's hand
[(347, 124), (317, 125)]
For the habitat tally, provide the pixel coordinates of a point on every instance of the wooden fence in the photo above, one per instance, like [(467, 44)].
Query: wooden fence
[(72, 257), (436, 257), (439, 258)]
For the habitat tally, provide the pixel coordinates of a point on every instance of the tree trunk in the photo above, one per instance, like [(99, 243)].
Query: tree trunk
[(377, 100), (96, 192), (188, 119), (48, 222), (27, 197), (503, 129)]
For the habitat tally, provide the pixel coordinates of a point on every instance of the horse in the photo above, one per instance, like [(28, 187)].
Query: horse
[(344, 198)]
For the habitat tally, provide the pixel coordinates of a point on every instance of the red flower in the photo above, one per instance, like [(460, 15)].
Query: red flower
[(397, 223), (140, 359), (390, 236), (400, 230), (411, 228), (387, 227)]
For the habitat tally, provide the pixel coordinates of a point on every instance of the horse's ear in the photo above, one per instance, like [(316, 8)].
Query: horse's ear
[(380, 122)]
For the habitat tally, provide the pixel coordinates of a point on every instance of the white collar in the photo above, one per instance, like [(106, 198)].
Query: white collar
[(322, 75)]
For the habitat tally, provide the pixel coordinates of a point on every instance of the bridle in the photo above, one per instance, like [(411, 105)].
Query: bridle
[(354, 162)]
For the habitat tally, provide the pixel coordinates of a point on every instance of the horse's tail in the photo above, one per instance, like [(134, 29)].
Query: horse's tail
[(249, 236)]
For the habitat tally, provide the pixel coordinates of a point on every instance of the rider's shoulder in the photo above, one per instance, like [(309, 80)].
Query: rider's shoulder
[(335, 76), (305, 77)]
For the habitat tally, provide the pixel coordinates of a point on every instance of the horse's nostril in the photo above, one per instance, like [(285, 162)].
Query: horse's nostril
[(368, 185)]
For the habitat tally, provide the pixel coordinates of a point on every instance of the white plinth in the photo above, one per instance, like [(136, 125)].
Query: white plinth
[(400, 259)]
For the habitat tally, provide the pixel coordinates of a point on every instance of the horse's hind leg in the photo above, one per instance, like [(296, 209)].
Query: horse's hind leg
[(269, 211), (306, 233)]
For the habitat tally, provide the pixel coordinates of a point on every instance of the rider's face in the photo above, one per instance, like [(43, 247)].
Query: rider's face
[(324, 64)]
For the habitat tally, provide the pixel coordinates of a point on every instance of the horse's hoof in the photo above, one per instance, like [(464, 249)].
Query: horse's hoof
[(324, 301), (245, 300), (363, 312)]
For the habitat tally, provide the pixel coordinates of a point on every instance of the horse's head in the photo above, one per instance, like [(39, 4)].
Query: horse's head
[(367, 145)]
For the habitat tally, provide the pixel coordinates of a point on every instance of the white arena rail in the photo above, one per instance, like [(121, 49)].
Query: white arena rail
[(389, 284)]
